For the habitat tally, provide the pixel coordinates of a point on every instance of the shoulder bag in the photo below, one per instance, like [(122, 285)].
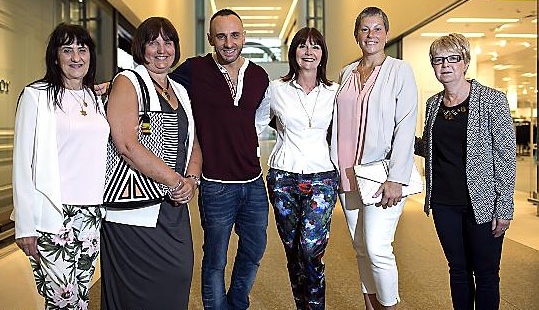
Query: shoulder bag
[(127, 188)]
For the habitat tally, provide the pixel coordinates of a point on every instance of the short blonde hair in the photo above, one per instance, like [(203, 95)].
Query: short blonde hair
[(453, 42)]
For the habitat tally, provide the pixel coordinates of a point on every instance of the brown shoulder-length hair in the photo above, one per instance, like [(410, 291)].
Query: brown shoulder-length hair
[(315, 37), (149, 30)]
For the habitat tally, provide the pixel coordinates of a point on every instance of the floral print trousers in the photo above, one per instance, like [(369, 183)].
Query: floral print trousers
[(67, 259), (303, 205)]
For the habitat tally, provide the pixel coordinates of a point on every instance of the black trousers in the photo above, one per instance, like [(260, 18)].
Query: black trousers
[(473, 255)]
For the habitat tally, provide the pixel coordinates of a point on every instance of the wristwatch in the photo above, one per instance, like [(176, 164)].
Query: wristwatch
[(194, 177)]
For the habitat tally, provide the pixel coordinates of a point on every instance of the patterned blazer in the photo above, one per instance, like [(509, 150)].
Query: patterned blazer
[(490, 153)]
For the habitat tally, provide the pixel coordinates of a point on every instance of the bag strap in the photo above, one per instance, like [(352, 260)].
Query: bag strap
[(145, 93), (144, 120)]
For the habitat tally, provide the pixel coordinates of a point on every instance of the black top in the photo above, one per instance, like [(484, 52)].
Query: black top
[(449, 155)]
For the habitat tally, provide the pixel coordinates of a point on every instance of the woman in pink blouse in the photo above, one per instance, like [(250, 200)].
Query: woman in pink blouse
[(375, 118), (59, 156)]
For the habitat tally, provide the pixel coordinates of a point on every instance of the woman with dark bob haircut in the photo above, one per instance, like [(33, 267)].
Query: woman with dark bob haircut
[(147, 248), (59, 156), (302, 181)]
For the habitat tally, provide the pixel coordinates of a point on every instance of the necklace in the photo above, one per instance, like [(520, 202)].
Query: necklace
[(164, 91), (82, 101), (363, 76), (309, 117), (450, 113)]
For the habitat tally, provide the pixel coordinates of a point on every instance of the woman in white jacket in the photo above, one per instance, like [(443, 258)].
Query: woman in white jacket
[(374, 119), (59, 160)]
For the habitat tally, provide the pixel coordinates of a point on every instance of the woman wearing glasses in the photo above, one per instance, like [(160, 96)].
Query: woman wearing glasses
[(469, 148)]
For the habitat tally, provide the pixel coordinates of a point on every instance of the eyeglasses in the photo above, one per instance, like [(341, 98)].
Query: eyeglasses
[(450, 59)]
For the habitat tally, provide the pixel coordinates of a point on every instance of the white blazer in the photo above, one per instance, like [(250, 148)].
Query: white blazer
[(37, 202), (391, 120)]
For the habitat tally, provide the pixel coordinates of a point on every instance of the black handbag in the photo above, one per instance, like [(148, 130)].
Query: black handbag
[(126, 187)]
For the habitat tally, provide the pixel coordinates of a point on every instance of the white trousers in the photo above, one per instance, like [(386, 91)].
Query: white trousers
[(373, 231)]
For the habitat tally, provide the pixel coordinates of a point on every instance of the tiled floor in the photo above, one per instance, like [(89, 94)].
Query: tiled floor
[(423, 270)]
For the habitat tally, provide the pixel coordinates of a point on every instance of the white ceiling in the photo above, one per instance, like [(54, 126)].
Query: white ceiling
[(520, 55)]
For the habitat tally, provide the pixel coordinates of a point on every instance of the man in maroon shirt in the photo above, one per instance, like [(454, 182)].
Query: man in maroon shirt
[(225, 91)]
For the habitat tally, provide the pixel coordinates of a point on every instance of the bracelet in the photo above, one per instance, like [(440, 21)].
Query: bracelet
[(173, 189), (194, 177)]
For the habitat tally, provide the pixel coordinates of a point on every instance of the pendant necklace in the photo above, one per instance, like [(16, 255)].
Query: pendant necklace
[(309, 117), (81, 101), (362, 76), (164, 91)]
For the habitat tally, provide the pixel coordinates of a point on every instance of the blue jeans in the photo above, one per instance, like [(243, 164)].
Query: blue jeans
[(473, 255), (243, 206)]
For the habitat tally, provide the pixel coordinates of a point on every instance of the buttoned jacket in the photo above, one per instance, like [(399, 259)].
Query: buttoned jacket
[(490, 152)]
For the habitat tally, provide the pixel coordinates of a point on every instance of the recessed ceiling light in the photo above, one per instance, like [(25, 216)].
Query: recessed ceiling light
[(502, 43), (256, 8), (506, 79), (501, 67), (526, 44), (477, 50), (251, 17), (259, 25), (260, 31), (481, 20), (529, 74), (516, 35), (466, 34)]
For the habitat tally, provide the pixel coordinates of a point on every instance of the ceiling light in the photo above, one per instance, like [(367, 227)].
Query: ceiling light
[(287, 19), (256, 8), (529, 74), (260, 25), (526, 44), (260, 31), (502, 27), (251, 17), (466, 34), (482, 20), (534, 21), (516, 35), (500, 67), (502, 43), (520, 86), (477, 50), (506, 79)]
